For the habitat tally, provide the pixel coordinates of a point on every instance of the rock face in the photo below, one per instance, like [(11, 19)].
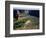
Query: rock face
[(28, 24)]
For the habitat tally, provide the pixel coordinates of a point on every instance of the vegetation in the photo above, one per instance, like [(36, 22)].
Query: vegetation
[(20, 23)]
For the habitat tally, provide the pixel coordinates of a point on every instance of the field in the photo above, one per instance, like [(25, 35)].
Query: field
[(28, 22)]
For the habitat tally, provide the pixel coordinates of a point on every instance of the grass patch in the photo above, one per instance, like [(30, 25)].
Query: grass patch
[(19, 24)]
